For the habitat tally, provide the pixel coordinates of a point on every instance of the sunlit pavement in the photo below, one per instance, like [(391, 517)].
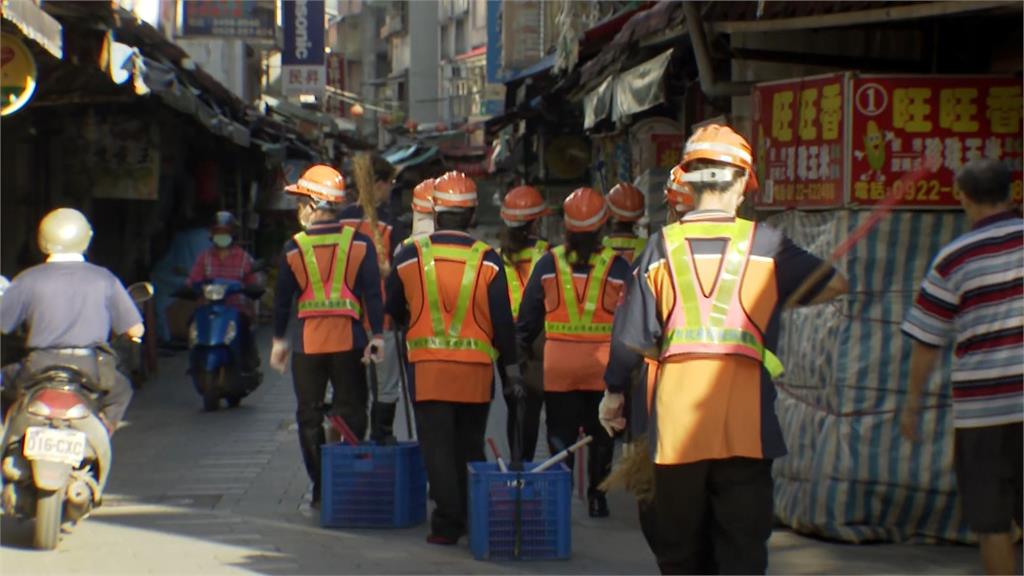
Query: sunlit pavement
[(224, 493)]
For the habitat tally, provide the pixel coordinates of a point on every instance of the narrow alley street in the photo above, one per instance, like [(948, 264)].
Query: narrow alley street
[(198, 493)]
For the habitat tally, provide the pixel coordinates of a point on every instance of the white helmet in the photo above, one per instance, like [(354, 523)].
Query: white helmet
[(64, 231)]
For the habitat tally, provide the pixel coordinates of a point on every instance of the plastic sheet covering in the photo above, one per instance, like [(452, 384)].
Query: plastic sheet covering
[(640, 87), (849, 474), (598, 104), (167, 274)]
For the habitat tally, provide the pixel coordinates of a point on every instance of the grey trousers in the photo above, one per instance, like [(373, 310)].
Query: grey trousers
[(389, 378), (100, 367)]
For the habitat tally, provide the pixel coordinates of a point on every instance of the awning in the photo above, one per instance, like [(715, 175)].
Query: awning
[(629, 92), (423, 155), (36, 25), (542, 65)]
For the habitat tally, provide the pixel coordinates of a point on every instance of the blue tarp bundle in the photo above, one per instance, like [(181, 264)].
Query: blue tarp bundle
[(849, 474), (184, 250)]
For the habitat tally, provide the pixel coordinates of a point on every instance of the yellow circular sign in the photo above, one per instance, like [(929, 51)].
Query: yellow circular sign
[(17, 74)]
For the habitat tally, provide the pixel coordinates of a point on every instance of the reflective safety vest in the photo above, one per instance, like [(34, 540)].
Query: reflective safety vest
[(626, 246), (315, 300), (437, 334), (715, 324), (515, 286), (568, 321)]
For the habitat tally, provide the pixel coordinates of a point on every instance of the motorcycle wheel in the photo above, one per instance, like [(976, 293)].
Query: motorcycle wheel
[(211, 396), (49, 506)]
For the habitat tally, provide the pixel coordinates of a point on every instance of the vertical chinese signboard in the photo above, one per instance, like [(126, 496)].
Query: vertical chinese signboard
[(929, 126), (798, 129), (302, 59), (861, 140)]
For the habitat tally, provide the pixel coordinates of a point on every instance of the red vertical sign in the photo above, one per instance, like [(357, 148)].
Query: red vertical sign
[(799, 130)]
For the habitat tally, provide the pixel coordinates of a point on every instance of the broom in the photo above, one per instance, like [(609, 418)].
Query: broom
[(362, 166)]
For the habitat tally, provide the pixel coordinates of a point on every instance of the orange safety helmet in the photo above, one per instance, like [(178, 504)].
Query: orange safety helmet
[(719, 143), (423, 197), (585, 210), (454, 191), (523, 204), (678, 192), (626, 202), (320, 182)]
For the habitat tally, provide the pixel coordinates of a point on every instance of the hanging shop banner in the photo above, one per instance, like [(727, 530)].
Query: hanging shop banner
[(799, 142), (302, 59), (932, 124), (18, 73), (253, 20), (123, 155)]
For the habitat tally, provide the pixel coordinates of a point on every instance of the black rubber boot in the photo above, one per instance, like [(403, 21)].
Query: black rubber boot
[(382, 423)]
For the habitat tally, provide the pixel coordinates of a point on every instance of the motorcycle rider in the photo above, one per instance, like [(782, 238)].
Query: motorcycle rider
[(228, 261), (70, 326)]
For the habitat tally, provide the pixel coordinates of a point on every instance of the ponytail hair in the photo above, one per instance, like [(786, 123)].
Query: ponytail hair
[(582, 244), (513, 240)]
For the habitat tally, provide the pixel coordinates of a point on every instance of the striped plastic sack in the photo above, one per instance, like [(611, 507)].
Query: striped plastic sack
[(849, 474)]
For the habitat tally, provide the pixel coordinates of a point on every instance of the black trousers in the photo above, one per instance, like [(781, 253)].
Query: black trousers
[(566, 413), (250, 353), (713, 516), (451, 435), (310, 374), (530, 418)]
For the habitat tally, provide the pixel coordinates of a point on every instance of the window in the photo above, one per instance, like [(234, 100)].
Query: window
[(460, 36)]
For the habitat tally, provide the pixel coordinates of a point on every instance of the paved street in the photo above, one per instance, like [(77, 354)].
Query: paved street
[(224, 493)]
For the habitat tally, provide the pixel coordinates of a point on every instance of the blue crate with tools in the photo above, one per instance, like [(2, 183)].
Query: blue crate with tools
[(371, 486), (519, 515)]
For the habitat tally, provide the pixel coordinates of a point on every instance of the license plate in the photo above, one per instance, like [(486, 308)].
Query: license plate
[(52, 445)]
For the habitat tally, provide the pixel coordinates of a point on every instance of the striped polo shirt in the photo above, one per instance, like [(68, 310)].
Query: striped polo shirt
[(973, 296)]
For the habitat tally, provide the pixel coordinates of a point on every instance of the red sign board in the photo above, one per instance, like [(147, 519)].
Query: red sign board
[(932, 124), (798, 131)]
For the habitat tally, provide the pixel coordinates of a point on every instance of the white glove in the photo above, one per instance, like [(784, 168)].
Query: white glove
[(374, 351), (279, 355), (610, 413)]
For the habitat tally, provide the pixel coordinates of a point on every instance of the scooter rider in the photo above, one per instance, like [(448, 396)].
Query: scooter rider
[(333, 271), (70, 307), (226, 260)]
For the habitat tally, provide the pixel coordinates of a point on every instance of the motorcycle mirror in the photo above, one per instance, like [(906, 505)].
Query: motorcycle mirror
[(141, 291)]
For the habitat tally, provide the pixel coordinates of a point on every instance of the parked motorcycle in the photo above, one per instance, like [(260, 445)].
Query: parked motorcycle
[(215, 349), (56, 449)]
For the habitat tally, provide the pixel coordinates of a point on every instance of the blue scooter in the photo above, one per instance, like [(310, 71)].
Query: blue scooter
[(215, 345)]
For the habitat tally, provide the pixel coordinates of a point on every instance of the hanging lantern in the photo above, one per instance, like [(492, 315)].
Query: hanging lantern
[(384, 119), (411, 126), (441, 127), (356, 110)]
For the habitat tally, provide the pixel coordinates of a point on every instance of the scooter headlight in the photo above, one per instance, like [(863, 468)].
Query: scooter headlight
[(214, 292), (231, 332), (193, 334)]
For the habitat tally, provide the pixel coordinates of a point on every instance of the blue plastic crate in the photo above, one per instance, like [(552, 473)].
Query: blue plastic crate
[(544, 512), (369, 486)]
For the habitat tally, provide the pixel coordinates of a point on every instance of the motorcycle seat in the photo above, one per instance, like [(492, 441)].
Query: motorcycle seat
[(63, 373)]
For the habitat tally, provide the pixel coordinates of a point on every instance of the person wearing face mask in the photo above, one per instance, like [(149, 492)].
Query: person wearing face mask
[(332, 272), (228, 261)]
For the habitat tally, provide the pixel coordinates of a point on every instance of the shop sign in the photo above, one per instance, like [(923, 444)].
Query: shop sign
[(123, 155), (930, 125), (253, 20), (799, 142), (18, 73), (302, 58)]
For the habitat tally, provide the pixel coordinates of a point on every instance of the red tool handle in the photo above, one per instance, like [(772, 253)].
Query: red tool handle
[(347, 435)]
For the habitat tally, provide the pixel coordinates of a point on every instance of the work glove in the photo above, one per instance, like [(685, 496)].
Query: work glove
[(609, 412), (374, 351), (279, 355), (513, 381)]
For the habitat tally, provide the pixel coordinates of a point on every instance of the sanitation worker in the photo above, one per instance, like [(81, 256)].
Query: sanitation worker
[(332, 270), (626, 208), (571, 297), (449, 290), (521, 249), (705, 301)]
